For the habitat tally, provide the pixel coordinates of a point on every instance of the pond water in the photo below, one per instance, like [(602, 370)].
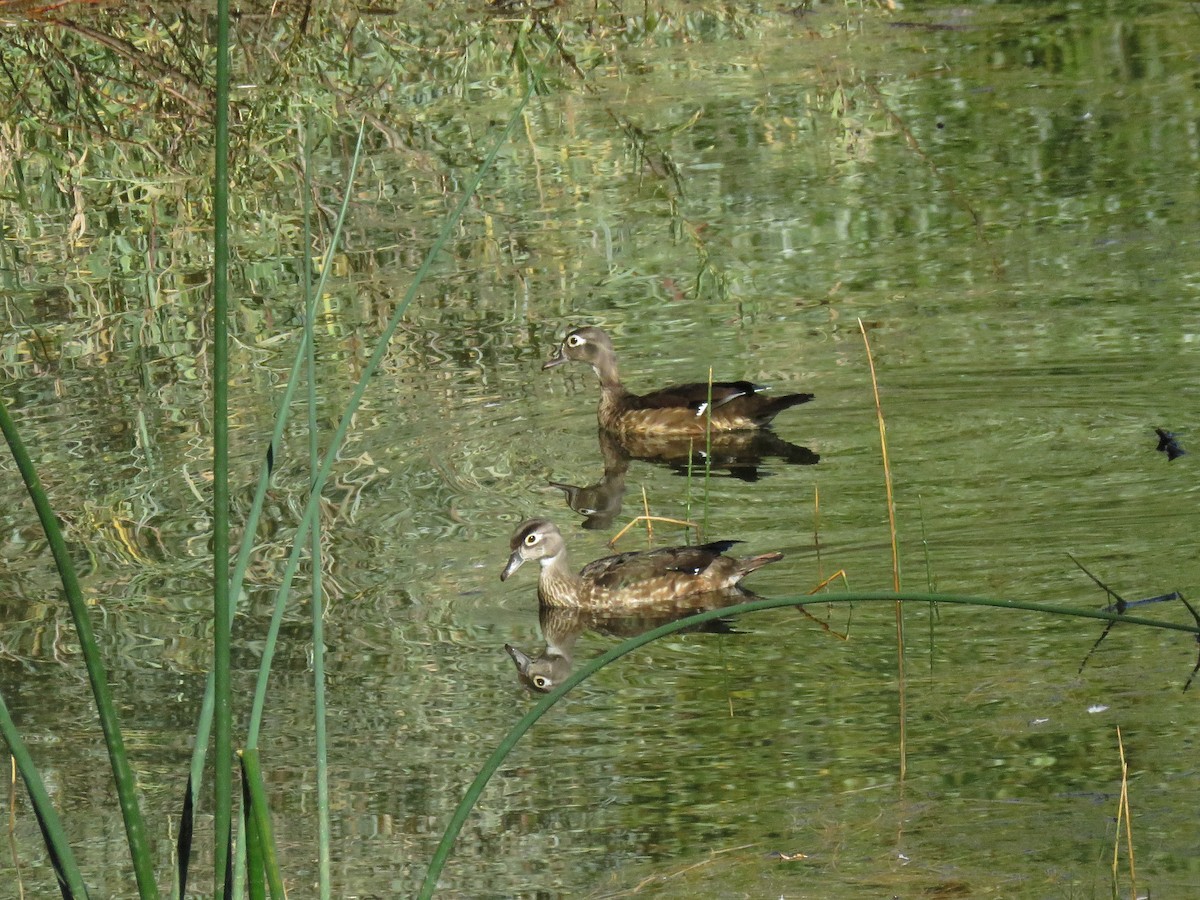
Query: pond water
[(1005, 196)]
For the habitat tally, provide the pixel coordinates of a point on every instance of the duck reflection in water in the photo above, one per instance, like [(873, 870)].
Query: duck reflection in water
[(561, 627), (734, 454)]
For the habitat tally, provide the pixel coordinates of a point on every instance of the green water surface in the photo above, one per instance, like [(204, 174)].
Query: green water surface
[(1004, 195)]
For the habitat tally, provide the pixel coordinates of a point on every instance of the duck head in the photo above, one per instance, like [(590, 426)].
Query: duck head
[(590, 345), (537, 539)]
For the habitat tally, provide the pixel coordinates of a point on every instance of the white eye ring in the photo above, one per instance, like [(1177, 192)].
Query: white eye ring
[(576, 340), (531, 539), (541, 682)]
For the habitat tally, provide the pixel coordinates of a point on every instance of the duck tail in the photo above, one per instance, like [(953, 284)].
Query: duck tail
[(766, 413), (779, 404), (750, 563)]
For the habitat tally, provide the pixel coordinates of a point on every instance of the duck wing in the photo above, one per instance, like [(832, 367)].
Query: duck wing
[(736, 404), (695, 396), (624, 570)]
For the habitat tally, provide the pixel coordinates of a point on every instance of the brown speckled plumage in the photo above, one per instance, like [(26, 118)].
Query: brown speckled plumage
[(628, 580), (680, 410)]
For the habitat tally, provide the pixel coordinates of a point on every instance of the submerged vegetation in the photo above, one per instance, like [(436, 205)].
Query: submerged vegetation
[(441, 159)]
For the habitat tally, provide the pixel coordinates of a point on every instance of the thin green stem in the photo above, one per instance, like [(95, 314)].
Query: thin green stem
[(255, 881), (222, 608), (56, 838), (204, 725), (324, 839), (123, 777), (261, 817)]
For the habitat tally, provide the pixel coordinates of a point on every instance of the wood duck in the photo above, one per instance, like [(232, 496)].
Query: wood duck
[(562, 626), (680, 410), (638, 579)]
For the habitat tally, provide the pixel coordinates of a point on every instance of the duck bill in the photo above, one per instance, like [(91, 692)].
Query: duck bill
[(556, 360), (522, 661), (514, 563)]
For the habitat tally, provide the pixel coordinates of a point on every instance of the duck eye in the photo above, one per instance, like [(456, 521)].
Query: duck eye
[(575, 340), (531, 539), (541, 682)]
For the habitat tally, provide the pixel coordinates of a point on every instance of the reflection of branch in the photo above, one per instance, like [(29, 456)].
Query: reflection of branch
[(1120, 601), (1121, 605), (840, 573), (649, 155), (1195, 616), (945, 178), (138, 58), (660, 162)]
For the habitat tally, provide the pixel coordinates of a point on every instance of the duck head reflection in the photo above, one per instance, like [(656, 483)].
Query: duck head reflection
[(561, 628)]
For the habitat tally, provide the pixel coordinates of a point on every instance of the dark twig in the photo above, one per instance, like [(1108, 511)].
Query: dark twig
[(1120, 607)]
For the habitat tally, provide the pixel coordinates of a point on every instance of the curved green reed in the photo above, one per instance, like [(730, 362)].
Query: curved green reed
[(264, 831), (442, 853), (123, 777), (57, 847)]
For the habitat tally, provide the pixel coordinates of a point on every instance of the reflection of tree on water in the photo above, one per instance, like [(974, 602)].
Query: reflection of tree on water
[(561, 628), (739, 454)]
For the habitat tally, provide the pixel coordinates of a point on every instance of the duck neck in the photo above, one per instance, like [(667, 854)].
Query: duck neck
[(558, 585), (613, 395), (605, 367)]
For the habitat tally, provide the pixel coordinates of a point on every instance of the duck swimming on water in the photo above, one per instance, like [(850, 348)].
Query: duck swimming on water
[(686, 409)]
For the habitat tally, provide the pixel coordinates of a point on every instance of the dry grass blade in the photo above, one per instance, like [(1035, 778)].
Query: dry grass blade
[(1123, 814), (649, 518), (840, 573), (891, 508)]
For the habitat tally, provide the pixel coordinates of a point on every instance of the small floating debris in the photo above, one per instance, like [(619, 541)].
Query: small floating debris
[(786, 857), (1168, 444)]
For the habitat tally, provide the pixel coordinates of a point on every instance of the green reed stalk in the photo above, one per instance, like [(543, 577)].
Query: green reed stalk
[(493, 763), (250, 530), (291, 385), (256, 878), (261, 818), (324, 854), (321, 475), (222, 609), (59, 850), (123, 777)]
